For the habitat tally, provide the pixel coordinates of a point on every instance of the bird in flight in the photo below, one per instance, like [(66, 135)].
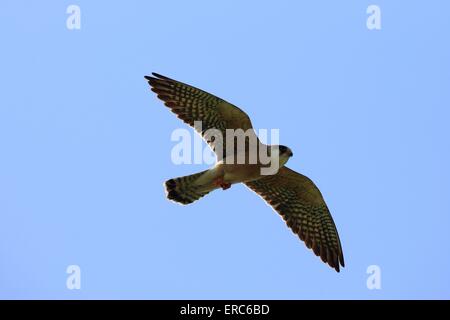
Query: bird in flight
[(294, 196)]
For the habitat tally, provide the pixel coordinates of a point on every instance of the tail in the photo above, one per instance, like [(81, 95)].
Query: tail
[(186, 189)]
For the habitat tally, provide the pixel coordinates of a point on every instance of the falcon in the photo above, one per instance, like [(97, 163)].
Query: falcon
[(294, 196)]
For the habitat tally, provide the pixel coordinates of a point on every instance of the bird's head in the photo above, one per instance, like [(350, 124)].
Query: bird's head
[(282, 152)]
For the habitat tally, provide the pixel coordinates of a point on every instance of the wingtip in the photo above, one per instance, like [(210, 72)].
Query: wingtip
[(154, 75), (341, 260), (335, 260), (160, 76), (340, 263), (334, 265)]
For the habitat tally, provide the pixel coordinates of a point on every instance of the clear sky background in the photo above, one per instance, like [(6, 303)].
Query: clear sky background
[(85, 147)]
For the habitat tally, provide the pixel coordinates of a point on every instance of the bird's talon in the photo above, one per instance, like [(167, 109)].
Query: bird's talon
[(220, 183), (225, 186)]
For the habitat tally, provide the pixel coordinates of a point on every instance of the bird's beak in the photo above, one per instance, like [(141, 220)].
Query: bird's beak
[(291, 154)]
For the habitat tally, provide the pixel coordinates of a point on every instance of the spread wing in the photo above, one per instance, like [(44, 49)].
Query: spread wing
[(191, 104), (297, 199)]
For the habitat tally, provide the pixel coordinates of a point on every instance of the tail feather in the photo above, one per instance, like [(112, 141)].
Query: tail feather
[(185, 190)]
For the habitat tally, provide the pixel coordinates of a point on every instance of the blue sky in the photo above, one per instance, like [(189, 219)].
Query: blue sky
[(85, 147)]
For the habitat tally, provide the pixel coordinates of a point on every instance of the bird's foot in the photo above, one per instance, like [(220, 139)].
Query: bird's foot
[(225, 186), (220, 183)]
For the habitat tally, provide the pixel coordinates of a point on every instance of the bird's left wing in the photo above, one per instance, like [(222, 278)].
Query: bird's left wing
[(297, 199), (191, 104)]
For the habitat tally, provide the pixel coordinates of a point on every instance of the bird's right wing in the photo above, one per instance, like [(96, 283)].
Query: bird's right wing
[(191, 104), (297, 199)]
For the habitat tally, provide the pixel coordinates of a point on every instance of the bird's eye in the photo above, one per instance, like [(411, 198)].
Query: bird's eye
[(283, 149)]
